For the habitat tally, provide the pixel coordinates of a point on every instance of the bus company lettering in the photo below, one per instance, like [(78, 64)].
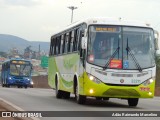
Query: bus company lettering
[(144, 89)]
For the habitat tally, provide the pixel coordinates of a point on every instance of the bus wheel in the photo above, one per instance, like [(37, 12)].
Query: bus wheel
[(133, 102), (8, 85), (58, 92), (3, 85), (80, 98), (25, 87), (66, 95)]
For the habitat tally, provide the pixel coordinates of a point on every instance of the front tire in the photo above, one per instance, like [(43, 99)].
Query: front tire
[(133, 102), (81, 99), (8, 85)]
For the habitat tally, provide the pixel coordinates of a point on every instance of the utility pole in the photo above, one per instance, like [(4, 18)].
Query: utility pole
[(72, 8)]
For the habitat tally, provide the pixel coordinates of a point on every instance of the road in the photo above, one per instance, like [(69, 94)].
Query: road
[(35, 99)]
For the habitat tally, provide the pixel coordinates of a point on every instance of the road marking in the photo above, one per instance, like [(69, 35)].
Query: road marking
[(16, 107)]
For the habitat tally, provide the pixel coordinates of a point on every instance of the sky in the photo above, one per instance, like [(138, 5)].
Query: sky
[(37, 20)]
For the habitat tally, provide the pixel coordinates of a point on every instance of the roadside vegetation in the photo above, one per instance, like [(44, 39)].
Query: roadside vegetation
[(158, 71)]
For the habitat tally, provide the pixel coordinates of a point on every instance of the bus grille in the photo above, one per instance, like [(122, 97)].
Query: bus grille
[(121, 92), (19, 81), (122, 75), (18, 77)]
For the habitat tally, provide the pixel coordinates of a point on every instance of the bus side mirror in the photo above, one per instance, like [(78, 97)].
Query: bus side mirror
[(156, 35), (84, 43), (156, 44)]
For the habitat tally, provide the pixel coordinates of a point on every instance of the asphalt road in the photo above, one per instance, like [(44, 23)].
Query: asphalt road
[(34, 99)]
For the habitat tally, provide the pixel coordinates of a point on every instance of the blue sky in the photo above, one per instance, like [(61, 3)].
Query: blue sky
[(37, 20)]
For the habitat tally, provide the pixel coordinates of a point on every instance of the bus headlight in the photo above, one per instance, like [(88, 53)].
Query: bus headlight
[(91, 91), (94, 79), (148, 82), (27, 79), (9, 78), (150, 93), (32, 83)]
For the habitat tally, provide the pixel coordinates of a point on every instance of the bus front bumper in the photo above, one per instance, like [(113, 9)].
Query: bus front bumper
[(90, 88)]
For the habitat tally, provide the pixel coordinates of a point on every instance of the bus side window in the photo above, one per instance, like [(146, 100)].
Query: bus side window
[(2, 68), (64, 43), (55, 52), (50, 50), (79, 43), (62, 40), (72, 39), (75, 39), (69, 42), (7, 65), (59, 44), (55, 46), (78, 39)]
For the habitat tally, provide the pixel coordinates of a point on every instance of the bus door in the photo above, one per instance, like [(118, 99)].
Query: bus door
[(82, 52)]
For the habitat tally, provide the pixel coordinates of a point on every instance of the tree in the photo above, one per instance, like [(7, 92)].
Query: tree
[(158, 70), (158, 61)]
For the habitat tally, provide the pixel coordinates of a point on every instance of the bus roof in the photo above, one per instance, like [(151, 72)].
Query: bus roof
[(16, 59), (106, 21)]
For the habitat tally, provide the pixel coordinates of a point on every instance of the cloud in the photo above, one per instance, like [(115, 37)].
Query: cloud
[(24, 3), (38, 19)]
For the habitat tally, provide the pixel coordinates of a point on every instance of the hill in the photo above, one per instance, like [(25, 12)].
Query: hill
[(9, 41)]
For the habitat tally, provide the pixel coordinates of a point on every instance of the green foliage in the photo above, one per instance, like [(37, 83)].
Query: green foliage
[(158, 70), (158, 61)]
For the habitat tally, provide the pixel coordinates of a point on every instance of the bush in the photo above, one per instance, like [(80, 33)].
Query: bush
[(158, 70)]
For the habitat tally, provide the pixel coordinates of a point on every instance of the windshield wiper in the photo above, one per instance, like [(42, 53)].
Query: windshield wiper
[(113, 55), (117, 50), (133, 57)]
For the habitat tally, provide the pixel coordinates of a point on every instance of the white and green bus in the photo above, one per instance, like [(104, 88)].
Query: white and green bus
[(103, 58)]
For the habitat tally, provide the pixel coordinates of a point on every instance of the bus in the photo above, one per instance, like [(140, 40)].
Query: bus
[(103, 58), (16, 72)]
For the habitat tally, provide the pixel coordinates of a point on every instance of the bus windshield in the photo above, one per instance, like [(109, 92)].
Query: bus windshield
[(20, 69), (104, 41)]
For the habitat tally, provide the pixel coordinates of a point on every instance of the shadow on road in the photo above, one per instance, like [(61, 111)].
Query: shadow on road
[(91, 102)]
